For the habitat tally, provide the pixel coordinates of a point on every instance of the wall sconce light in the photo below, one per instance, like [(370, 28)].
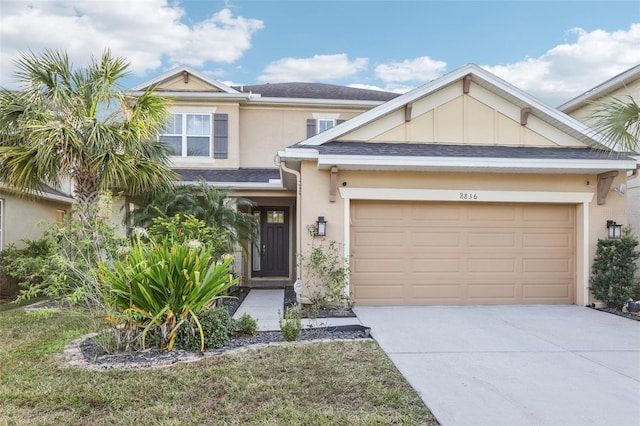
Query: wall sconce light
[(614, 230), (321, 227)]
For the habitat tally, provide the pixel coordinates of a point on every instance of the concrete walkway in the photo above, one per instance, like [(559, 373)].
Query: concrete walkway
[(515, 365), (267, 307)]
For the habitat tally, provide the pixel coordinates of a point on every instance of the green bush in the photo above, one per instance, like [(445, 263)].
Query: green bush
[(160, 285), (291, 324), (246, 325), (614, 267), (327, 271), (217, 328), (24, 268)]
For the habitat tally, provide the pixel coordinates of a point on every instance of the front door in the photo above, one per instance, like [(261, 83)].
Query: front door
[(271, 253)]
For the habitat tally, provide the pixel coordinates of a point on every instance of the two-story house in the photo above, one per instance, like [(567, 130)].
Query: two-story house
[(463, 191), (230, 137)]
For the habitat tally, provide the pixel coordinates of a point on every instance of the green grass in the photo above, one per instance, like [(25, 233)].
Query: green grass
[(337, 383)]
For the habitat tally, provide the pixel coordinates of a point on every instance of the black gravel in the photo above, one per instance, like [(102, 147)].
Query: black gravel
[(619, 313), (94, 354)]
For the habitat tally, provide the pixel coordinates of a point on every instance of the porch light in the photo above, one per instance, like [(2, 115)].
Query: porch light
[(321, 227), (614, 230)]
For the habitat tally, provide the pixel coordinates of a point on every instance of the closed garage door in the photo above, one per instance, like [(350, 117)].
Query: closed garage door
[(419, 253)]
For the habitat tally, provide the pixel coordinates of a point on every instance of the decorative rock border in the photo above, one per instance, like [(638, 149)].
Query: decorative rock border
[(155, 359)]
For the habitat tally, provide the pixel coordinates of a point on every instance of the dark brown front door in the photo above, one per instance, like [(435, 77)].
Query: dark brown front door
[(274, 244)]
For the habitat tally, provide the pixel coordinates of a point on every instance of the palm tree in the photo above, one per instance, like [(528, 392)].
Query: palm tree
[(204, 202), (618, 123), (78, 125)]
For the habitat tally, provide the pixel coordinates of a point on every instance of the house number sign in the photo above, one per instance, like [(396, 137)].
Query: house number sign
[(468, 196)]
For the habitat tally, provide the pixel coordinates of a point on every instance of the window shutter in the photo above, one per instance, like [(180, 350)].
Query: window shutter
[(220, 135), (311, 127)]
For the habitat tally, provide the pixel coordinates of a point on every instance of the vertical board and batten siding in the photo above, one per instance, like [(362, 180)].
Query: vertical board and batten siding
[(419, 253)]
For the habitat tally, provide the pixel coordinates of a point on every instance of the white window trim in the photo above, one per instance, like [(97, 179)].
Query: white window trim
[(319, 120), (183, 110)]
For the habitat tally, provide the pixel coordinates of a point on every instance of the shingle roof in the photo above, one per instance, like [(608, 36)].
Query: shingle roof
[(475, 151), (239, 175), (316, 91)]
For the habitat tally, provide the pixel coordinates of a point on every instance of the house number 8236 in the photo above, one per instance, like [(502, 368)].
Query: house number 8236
[(468, 196)]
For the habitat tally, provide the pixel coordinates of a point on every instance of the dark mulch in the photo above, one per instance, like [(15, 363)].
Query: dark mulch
[(94, 354), (619, 313), (236, 296)]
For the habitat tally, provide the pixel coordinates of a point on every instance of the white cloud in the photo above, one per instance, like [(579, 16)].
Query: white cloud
[(422, 69), (570, 69), (317, 68), (143, 31)]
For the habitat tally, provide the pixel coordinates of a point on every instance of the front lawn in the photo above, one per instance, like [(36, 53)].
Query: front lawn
[(342, 383)]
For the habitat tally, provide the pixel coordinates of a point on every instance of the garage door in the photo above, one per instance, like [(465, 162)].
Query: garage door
[(418, 253)]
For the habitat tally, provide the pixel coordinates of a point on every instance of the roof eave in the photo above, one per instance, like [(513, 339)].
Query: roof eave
[(474, 164), (602, 90)]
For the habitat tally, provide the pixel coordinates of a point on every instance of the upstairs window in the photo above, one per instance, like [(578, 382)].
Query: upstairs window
[(190, 135), (324, 124), (315, 126)]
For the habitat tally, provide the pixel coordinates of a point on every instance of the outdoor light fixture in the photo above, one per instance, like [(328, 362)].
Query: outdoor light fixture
[(614, 230), (321, 227)]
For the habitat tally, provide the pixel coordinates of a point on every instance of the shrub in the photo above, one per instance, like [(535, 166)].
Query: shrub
[(159, 286), (291, 324), (246, 325), (614, 268), (217, 328), (26, 268), (327, 271)]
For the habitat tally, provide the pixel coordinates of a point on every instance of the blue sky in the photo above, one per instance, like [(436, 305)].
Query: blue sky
[(554, 50)]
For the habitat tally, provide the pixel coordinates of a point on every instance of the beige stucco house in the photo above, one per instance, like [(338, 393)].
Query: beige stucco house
[(622, 86), (26, 218), (230, 137), (463, 191)]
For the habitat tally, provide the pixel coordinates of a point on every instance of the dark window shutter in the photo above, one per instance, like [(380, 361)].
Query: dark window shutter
[(340, 121), (311, 127), (220, 135)]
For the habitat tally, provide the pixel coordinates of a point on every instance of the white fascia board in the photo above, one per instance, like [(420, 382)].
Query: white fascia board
[(198, 96), (177, 70), (603, 89), (476, 163), (299, 153)]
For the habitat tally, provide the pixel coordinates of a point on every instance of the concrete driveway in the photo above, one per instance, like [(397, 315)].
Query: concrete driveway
[(515, 365)]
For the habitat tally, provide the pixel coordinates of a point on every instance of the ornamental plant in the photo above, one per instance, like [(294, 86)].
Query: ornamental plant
[(614, 267), (327, 271), (157, 286)]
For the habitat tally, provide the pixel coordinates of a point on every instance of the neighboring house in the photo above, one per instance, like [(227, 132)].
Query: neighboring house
[(23, 218), (463, 191), (230, 137), (581, 107)]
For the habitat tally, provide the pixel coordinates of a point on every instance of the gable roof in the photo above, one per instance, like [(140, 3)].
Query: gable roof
[(172, 73), (480, 77), (601, 90)]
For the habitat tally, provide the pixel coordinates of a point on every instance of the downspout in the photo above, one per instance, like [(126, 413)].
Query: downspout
[(283, 166)]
